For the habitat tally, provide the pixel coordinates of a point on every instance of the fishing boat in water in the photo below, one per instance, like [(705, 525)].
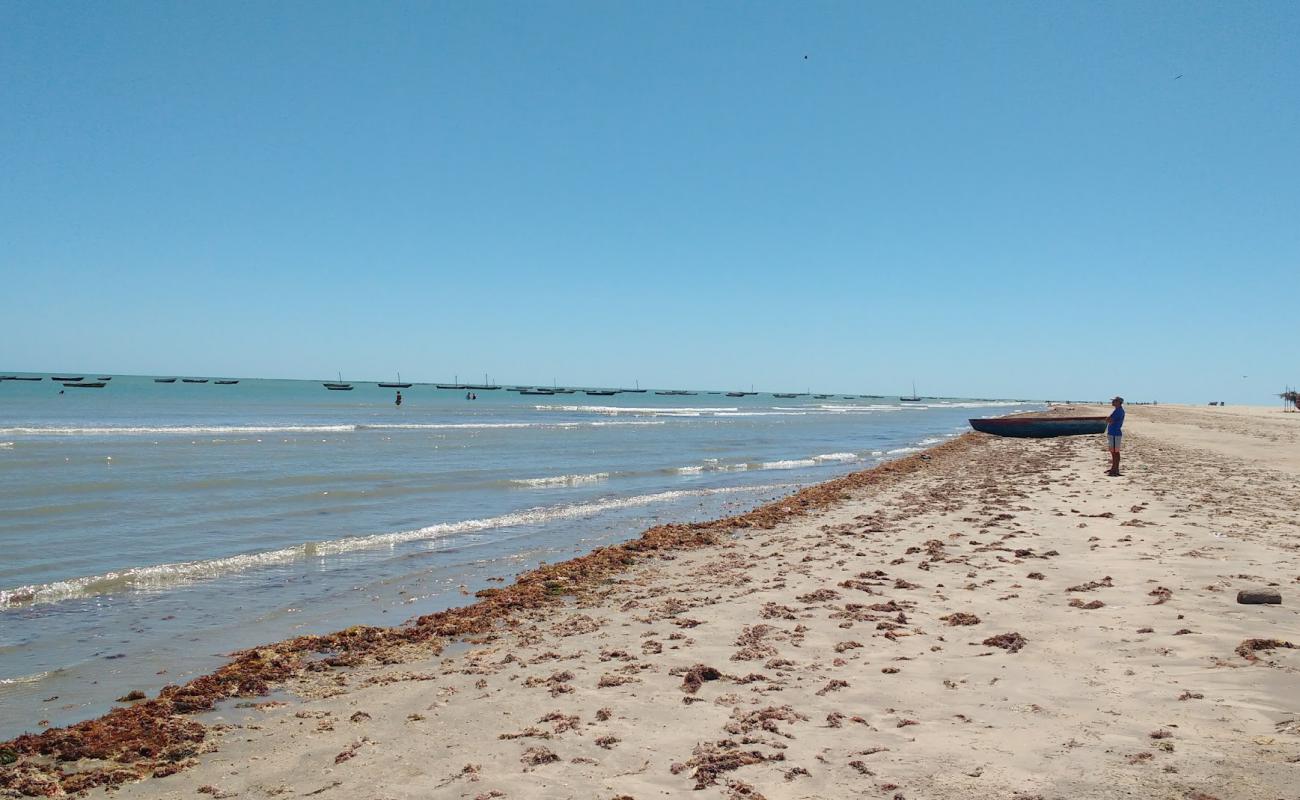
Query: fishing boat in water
[(86, 385), (913, 399), (62, 379), (601, 392), (735, 394), (164, 380), (338, 386), (194, 380), (547, 392), (1040, 427), (784, 396), (22, 377), (396, 384), (224, 383)]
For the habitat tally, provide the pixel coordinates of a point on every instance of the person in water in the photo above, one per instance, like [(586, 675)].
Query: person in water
[(398, 401), (1114, 434)]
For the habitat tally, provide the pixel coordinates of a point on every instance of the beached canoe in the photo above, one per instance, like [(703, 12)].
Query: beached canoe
[(1040, 427)]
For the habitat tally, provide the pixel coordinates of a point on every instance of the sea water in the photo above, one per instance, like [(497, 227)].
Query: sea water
[(148, 529)]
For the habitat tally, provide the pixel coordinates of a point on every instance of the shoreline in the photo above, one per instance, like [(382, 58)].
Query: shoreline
[(163, 730), (839, 602)]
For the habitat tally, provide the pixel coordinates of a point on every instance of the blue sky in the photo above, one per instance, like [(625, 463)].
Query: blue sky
[(996, 199)]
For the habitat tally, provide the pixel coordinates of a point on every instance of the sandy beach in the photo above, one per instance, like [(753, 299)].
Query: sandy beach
[(993, 617)]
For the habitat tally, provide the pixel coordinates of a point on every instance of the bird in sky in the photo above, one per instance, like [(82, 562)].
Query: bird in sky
[(1176, 77)]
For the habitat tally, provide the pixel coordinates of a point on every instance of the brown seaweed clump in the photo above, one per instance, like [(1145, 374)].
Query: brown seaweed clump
[(1249, 647), (711, 759), (155, 737), (697, 675), (961, 618), (1011, 642)]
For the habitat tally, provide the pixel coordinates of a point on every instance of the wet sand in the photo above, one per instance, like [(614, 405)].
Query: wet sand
[(994, 617)]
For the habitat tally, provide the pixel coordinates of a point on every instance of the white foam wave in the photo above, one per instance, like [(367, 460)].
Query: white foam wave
[(824, 457), (163, 576), (791, 463), (225, 430), (930, 440), (694, 470), (6, 445), (187, 430), (35, 677), (900, 450), (666, 411), (562, 480)]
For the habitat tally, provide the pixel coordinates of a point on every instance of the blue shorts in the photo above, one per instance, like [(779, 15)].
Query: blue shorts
[(1112, 442)]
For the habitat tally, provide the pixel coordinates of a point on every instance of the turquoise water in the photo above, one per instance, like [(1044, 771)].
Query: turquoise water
[(147, 528)]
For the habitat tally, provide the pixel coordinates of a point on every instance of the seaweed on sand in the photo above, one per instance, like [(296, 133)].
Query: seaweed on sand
[(157, 737)]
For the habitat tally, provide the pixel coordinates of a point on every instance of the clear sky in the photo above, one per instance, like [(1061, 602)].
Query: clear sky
[(993, 199)]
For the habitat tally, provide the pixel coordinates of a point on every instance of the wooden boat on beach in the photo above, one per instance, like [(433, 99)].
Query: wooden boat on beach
[(1040, 427)]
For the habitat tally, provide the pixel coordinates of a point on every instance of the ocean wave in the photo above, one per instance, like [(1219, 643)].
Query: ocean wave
[(561, 480), (188, 430), (825, 457), (226, 430), (6, 445), (790, 463), (162, 576), (900, 450), (665, 411)]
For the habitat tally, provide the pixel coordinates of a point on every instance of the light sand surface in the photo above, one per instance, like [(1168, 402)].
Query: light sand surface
[(829, 662)]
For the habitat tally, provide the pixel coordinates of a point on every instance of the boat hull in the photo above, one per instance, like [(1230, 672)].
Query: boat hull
[(1040, 427)]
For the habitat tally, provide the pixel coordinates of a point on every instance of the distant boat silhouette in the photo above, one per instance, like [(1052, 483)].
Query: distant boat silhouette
[(164, 380), (22, 378), (537, 391), (601, 392), (86, 385), (735, 394), (225, 383), (194, 380), (102, 378), (784, 396), (397, 385), (338, 386), (913, 399), (63, 379)]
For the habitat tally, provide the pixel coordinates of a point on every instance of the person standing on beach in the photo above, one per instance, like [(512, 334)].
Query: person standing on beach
[(1114, 433)]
